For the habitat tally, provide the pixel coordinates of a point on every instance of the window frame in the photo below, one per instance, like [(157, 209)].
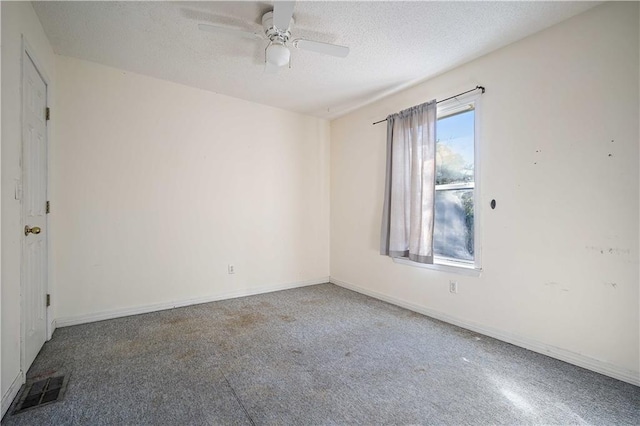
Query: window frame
[(473, 268)]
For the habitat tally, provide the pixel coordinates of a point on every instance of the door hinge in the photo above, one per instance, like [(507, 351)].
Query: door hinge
[(48, 300), (47, 114), (48, 208)]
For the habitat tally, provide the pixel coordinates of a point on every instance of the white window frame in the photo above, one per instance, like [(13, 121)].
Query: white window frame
[(474, 268)]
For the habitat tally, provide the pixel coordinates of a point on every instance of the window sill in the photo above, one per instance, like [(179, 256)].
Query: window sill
[(444, 267)]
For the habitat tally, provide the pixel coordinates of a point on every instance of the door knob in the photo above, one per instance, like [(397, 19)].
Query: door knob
[(34, 230)]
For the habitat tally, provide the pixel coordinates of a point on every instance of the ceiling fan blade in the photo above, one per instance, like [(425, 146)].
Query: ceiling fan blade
[(230, 31), (326, 48), (282, 14), (270, 68)]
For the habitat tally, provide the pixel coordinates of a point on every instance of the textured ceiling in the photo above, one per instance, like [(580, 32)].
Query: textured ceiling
[(393, 44)]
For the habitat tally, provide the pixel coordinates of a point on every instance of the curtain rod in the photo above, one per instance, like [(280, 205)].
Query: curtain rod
[(451, 97)]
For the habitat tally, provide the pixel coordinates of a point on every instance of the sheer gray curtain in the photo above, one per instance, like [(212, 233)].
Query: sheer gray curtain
[(409, 196)]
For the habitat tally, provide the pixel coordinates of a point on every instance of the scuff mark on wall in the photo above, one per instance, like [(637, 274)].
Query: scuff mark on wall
[(609, 250), (553, 284)]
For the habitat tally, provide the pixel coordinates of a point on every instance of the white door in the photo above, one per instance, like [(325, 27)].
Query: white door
[(34, 201)]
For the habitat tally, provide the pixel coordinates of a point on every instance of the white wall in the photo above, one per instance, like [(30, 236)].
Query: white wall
[(18, 18), (156, 187), (560, 251)]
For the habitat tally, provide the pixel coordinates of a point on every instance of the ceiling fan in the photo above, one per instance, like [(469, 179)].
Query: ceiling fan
[(277, 26)]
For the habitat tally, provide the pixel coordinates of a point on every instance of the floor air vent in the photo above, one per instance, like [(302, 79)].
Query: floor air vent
[(41, 393)]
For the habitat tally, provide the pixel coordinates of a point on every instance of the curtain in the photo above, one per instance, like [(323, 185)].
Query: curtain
[(409, 196)]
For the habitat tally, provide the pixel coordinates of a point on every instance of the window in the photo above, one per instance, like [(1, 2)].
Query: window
[(456, 235)]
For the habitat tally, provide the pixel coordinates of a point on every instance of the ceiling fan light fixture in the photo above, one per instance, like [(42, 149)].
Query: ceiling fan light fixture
[(278, 54), (277, 25)]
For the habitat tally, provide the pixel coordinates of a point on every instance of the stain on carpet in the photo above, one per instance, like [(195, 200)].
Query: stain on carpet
[(176, 321), (245, 320), (287, 318), (186, 356)]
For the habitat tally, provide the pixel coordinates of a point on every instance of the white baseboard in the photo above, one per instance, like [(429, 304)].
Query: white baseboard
[(580, 360), (11, 393), (117, 313)]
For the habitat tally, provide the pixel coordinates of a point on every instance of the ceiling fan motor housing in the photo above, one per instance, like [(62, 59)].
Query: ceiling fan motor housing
[(277, 26), (274, 33)]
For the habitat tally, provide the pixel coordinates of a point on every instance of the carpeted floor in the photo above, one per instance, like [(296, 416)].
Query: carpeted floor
[(310, 356)]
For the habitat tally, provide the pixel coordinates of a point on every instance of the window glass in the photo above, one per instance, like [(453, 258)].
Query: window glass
[(454, 148), (454, 210), (453, 233)]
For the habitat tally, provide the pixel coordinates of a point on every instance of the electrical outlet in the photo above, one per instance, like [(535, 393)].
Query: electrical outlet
[(453, 286), (231, 269)]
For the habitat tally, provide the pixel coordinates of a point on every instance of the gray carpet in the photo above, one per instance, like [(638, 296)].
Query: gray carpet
[(311, 356)]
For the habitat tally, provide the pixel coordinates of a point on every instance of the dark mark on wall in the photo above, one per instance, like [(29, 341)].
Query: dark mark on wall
[(610, 155), (609, 250)]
